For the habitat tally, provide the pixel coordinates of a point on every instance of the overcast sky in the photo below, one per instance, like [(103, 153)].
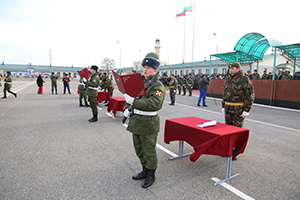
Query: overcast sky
[(82, 33)]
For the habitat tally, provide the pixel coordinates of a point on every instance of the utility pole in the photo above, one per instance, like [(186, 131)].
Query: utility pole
[(50, 57)]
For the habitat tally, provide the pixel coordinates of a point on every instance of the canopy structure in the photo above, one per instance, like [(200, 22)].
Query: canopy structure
[(291, 50), (250, 48)]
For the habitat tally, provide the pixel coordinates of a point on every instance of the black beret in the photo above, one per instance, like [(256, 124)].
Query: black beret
[(94, 67)]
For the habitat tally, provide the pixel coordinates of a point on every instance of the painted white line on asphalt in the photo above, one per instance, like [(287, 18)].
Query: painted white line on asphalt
[(247, 119), (233, 190)]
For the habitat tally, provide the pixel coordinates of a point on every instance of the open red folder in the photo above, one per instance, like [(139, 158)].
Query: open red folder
[(84, 73), (131, 84)]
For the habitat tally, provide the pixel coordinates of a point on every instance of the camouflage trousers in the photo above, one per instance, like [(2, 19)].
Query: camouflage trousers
[(172, 94), (234, 119), (110, 90), (144, 146), (179, 90), (184, 90), (93, 105), (54, 86), (82, 95), (190, 90), (7, 88)]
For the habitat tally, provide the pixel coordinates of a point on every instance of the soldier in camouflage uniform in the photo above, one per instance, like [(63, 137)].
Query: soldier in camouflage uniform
[(190, 85), (82, 94), (286, 76), (7, 85), (238, 97), (173, 87), (265, 75), (144, 124), (92, 91), (184, 85), (53, 78), (107, 84), (179, 84), (255, 75)]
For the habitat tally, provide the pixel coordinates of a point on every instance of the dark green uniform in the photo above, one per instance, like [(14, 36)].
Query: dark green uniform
[(173, 87), (7, 86), (179, 85), (107, 85), (255, 76), (92, 91), (82, 93), (286, 77), (190, 86), (145, 128), (265, 76), (184, 85), (54, 83), (238, 96)]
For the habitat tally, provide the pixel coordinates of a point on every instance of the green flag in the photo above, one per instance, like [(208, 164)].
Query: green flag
[(189, 8)]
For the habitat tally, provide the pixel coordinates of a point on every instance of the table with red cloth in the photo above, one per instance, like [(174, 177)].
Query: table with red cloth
[(216, 140), (116, 104), (102, 96)]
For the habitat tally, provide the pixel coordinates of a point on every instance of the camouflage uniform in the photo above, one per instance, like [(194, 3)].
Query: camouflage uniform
[(239, 92), (190, 86), (184, 85), (82, 93), (107, 84), (7, 86), (93, 83), (144, 128), (255, 76), (286, 77), (265, 76), (179, 85), (173, 87), (53, 83)]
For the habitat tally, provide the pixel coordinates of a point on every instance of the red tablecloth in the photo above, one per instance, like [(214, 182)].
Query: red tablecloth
[(214, 140), (116, 104), (103, 96)]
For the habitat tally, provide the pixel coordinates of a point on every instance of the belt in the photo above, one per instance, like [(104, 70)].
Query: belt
[(8, 82), (146, 113), (233, 104), (93, 88), (172, 86), (82, 84)]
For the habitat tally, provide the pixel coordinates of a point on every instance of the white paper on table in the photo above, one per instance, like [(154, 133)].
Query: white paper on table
[(206, 124)]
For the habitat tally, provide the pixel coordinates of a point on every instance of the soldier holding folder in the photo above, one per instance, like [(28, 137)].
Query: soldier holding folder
[(144, 123)]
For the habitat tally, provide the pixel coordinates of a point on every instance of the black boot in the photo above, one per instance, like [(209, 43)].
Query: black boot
[(172, 104), (86, 104), (4, 97), (94, 118), (141, 175), (15, 95), (80, 104), (150, 178)]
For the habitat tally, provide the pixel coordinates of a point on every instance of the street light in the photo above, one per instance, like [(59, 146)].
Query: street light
[(217, 50), (120, 53)]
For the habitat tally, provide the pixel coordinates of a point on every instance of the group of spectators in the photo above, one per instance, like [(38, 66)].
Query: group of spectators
[(280, 76)]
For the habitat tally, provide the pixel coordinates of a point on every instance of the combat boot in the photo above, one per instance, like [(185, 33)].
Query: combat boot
[(94, 118), (80, 104), (141, 175), (172, 104), (150, 178), (86, 104), (15, 94), (4, 97)]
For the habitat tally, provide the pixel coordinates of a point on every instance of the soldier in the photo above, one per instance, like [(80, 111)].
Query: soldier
[(265, 75), (0, 79), (92, 91), (184, 85), (297, 76), (107, 84), (255, 75), (144, 124), (271, 76), (82, 94), (286, 76), (7, 85), (190, 85), (173, 87), (53, 78), (179, 85), (238, 97), (133, 71)]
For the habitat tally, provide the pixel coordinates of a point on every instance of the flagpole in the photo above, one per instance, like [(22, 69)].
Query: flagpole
[(183, 46), (193, 38)]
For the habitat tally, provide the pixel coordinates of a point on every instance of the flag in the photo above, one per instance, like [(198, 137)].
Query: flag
[(189, 8), (180, 14)]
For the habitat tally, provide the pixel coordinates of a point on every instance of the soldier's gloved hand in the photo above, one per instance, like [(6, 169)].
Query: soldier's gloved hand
[(84, 79), (126, 113), (128, 99), (223, 111), (245, 114)]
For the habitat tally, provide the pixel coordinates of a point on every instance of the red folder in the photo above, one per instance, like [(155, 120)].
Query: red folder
[(84, 73), (131, 84)]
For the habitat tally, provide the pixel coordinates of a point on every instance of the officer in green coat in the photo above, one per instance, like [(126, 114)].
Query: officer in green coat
[(144, 123), (238, 97), (82, 94), (53, 78), (7, 85), (92, 91)]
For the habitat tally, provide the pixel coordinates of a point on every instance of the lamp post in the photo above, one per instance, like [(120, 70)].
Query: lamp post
[(217, 50), (120, 53), (88, 62)]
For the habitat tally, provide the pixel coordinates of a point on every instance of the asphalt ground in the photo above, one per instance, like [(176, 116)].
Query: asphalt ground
[(49, 150)]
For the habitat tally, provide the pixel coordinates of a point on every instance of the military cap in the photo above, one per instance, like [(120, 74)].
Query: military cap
[(255, 70), (172, 74), (235, 64), (94, 67), (134, 71), (151, 60)]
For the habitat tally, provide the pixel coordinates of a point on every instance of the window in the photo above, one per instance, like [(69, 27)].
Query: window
[(215, 70), (176, 73), (187, 72), (193, 72), (224, 70), (180, 72), (207, 71), (199, 71)]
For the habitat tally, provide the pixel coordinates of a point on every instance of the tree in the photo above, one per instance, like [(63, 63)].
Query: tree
[(108, 64)]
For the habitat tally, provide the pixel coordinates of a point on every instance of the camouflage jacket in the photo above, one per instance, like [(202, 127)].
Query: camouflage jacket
[(53, 79), (173, 84), (7, 81), (81, 85), (255, 76), (153, 101), (190, 83), (238, 89), (93, 83)]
